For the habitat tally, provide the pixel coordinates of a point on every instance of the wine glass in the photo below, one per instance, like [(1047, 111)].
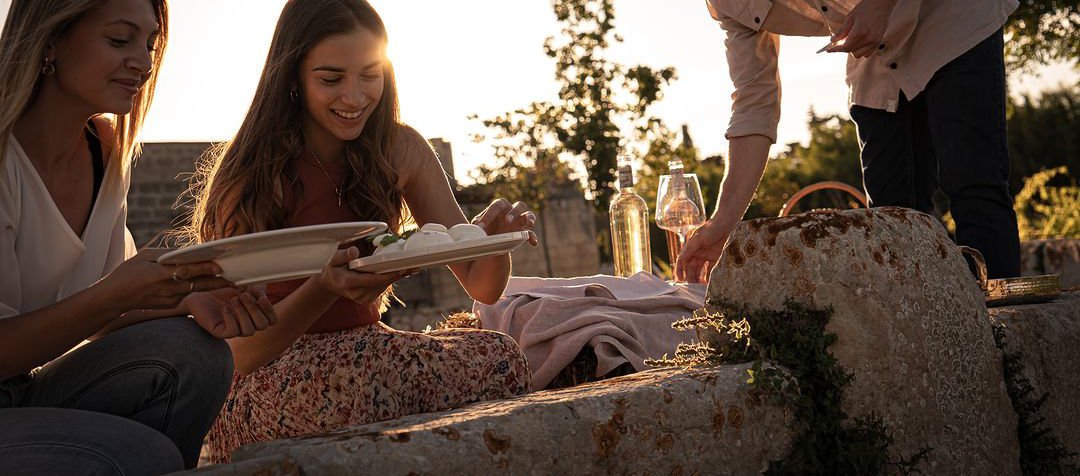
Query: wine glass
[(679, 214)]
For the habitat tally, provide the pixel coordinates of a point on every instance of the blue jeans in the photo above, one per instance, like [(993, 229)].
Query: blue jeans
[(952, 136), (136, 401)]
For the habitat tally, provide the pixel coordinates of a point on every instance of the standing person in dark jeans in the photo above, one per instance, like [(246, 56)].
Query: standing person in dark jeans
[(77, 79), (927, 92)]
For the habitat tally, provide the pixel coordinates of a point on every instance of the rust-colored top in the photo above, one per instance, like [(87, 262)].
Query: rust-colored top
[(318, 204)]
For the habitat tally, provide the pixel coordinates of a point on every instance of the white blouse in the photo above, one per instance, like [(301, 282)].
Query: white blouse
[(41, 259)]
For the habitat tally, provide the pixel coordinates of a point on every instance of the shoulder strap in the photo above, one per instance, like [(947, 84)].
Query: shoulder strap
[(97, 158)]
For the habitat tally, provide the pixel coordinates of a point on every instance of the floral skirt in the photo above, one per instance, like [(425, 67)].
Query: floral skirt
[(364, 375)]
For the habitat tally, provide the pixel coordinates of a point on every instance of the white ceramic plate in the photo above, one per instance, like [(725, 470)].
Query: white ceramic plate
[(275, 255), (443, 253)]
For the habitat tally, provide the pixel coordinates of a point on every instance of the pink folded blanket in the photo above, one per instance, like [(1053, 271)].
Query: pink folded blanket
[(621, 319)]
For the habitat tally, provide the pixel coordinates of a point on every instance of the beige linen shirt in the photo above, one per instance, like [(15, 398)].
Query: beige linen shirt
[(921, 37), (41, 259)]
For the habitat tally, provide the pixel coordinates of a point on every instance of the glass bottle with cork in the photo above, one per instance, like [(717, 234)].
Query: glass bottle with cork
[(629, 217)]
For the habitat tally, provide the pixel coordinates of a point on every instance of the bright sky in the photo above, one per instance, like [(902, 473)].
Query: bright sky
[(485, 57)]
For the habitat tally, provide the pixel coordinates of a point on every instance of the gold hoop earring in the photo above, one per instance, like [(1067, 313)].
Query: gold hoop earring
[(48, 68)]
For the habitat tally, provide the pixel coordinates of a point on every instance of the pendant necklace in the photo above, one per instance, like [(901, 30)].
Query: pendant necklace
[(337, 189)]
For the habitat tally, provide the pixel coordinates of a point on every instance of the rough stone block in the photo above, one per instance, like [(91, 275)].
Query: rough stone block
[(1049, 337), (1060, 256), (268, 466), (910, 321), (655, 422)]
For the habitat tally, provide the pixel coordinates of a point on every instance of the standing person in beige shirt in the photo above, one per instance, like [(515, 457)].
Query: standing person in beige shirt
[(927, 92)]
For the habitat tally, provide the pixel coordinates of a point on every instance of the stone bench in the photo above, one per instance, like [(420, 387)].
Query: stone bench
[(658, 422), (694, 420), (910, 325)]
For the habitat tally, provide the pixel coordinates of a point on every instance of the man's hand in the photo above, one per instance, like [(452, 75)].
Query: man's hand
[(702, 251), (865, 27)]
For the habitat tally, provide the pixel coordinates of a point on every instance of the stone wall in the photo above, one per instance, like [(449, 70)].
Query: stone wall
[(1059, 256), (160, 176)]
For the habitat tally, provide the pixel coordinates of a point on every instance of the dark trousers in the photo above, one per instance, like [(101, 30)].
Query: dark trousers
[(952, 137), (136, 401)]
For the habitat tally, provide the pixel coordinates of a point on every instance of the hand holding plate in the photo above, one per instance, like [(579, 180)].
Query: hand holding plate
[(503, 217), (357, 286), (142, 283)]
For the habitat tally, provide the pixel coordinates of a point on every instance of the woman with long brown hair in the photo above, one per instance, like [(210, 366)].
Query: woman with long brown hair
[(322, 143), (77, 79)]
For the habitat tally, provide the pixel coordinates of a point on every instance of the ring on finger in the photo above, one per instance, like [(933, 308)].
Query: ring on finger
[(191, 287), (174, 276)]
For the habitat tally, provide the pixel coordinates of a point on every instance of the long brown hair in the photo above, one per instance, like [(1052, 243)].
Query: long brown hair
[(236, 186), (31, 26)]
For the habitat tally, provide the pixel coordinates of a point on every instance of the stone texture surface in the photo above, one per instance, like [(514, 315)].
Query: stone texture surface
[(1049, 336), (1060, 256), (274, 465), (910, 322), (656, 422)]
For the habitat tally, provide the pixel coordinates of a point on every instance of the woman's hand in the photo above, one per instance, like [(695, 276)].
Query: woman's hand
[(229, 312), (142, 283), (360, 287), (502, 217)]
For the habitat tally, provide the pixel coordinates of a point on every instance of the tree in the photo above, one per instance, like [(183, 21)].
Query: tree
[(1049, 211), (1042, 31), (529, 169), (600, 101), (601, 110), (831, 154), (1044, 132)]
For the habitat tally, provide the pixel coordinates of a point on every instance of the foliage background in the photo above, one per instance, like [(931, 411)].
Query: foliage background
[(604, 110)]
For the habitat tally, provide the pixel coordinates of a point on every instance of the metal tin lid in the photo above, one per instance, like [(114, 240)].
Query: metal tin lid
[(1009, 291)]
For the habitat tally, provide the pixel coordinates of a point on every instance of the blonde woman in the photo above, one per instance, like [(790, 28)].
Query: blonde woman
[(77, 79), (322, 143)]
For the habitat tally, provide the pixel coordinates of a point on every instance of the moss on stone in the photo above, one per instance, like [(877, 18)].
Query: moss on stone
[(1041, 451), (793, 367)]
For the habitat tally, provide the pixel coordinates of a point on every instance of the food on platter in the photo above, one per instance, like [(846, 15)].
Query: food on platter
[(466, 231), (429, 235)]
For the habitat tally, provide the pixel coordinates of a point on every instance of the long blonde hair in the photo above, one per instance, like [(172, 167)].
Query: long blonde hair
[(236, 185), (33, 25)]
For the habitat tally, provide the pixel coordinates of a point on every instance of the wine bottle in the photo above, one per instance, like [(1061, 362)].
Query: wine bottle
[(629, 225)]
